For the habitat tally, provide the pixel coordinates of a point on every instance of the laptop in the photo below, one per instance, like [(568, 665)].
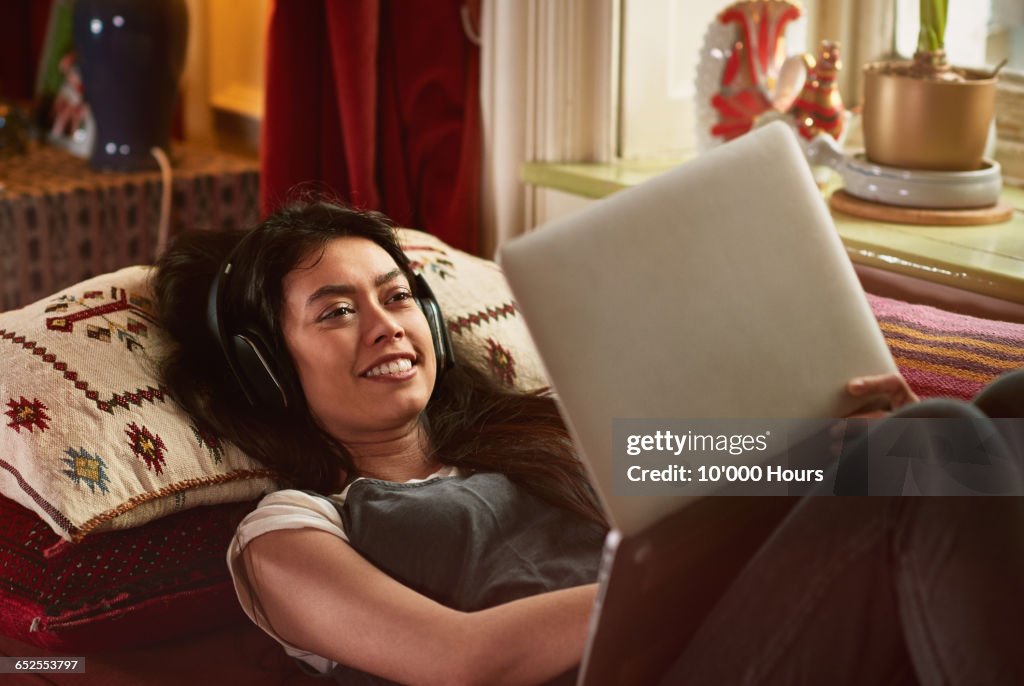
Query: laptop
[(719, 289)]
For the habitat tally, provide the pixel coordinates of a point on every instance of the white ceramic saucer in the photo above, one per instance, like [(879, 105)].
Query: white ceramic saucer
[(918, 188), (940, 190)]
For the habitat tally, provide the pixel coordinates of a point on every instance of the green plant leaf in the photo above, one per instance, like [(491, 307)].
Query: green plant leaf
[(931, 36)]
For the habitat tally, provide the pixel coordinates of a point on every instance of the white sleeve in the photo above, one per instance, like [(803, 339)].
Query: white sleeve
[(287, 509)]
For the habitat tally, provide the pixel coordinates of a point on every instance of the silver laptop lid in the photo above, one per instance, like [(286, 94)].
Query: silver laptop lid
[(719, 289)]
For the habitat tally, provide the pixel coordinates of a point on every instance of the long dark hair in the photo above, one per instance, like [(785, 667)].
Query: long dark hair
[(472, 422)]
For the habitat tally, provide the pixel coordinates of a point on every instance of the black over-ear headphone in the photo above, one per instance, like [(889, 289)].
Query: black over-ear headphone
[(269, 383)]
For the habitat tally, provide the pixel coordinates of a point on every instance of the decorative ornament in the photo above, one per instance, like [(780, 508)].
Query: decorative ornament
[(745, 80), (819, 108), (74, 128), (739, 71)]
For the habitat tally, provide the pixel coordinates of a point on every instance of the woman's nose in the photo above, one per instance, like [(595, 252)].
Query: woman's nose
[(382, 326)]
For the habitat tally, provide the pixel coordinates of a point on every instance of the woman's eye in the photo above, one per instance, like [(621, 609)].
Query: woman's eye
[(334, 313), (400, 296)]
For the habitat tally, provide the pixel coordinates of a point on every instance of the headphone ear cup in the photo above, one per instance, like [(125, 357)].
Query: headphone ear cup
[(257, 371), (259, 374), (444, 354)]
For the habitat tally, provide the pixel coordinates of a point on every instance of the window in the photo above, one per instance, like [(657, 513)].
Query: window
[(661, 42)]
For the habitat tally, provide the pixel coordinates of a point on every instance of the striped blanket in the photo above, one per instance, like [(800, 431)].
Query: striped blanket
[(947, 355)]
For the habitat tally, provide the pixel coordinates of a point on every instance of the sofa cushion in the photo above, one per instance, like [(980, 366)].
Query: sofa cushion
[(117, 589), (942, 354), (89, 438)]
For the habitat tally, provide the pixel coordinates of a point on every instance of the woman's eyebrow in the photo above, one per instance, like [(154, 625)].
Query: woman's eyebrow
[(346, 289)]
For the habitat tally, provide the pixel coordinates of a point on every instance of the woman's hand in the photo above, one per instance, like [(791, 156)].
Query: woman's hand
[(892, 387)]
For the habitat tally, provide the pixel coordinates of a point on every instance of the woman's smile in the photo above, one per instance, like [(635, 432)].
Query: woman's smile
[(395, 368)]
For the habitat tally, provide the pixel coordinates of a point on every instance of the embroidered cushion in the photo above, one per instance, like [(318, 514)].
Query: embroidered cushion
[(116, 589), (89, 439)]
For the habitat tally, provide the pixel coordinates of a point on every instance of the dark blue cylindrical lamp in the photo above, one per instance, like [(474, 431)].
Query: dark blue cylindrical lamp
[(131, 54)]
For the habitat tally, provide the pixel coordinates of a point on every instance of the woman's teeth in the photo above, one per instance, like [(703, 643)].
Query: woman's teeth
[(393, 367)]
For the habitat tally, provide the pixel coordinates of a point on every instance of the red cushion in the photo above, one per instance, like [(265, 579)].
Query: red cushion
[(947, 355), (118, 589)]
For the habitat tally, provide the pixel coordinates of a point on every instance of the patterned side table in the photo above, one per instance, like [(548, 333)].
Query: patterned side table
[(62, 222)]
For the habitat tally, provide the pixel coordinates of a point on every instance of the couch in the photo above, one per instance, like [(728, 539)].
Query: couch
[(117, 508)]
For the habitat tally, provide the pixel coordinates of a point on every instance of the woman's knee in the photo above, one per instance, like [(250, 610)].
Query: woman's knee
[(1004, 397), (935, 447)]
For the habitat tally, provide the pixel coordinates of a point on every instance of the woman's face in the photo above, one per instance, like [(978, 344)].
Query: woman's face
[(360, 344)]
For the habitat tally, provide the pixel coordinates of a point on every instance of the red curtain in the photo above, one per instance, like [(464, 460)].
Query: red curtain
[(378, 102), (22, 29)]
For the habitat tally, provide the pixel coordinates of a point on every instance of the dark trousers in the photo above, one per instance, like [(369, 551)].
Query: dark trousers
[(880, 590)]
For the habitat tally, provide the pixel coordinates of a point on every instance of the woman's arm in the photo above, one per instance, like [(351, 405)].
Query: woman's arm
[(321, 595)]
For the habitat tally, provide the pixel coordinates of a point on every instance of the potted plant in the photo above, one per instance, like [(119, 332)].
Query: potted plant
[(924, 113)]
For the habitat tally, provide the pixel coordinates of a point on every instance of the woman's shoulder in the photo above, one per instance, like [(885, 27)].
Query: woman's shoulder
[(286, 496), (290, 509)]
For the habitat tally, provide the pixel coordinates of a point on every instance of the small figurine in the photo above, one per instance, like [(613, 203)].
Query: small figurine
[(73, 127), (819, 107)]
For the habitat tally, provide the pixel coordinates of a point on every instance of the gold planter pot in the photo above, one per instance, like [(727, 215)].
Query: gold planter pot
[(914, 123)]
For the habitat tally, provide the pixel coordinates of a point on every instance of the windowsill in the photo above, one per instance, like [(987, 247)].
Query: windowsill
[(593, 180), (987, 260)]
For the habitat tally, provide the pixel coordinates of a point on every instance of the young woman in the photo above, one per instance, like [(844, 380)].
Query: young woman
[(435, 528)]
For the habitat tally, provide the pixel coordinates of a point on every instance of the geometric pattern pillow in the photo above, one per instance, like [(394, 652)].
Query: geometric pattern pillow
[(89, 438), (117, 589), (484, 323)]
